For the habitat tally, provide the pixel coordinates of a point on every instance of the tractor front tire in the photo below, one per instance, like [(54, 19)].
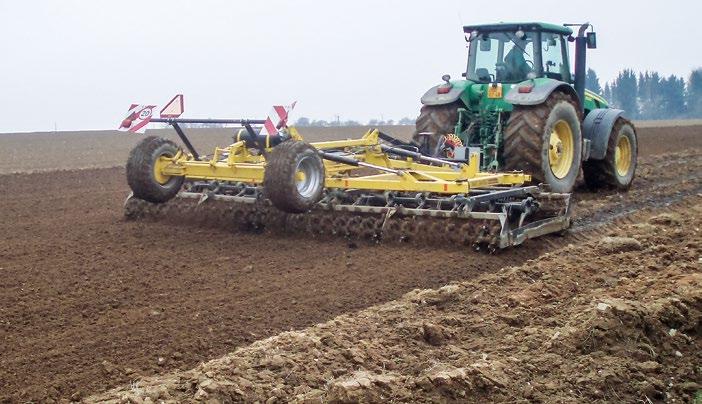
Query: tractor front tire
[(618, 167), (293, 179), (545, 141), (143, 174), (439, 120)]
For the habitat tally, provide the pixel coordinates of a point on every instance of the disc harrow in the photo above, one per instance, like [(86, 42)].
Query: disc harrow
[(375, 188)]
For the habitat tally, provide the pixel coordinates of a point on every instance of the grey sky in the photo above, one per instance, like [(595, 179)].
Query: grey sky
[(79, 64)]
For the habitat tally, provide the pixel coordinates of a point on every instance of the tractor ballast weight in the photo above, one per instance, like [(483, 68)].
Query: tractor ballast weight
[(509, 112)]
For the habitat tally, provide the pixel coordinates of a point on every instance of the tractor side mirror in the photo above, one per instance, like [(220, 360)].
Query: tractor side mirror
[(591, 39), (485, 44)]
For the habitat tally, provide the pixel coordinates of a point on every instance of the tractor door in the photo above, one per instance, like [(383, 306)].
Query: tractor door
[(555, 57)]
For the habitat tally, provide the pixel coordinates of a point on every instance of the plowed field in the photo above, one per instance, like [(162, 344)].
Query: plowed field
[(89, 301)]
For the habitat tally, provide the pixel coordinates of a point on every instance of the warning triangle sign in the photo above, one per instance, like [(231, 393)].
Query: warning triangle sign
[(174, 108)]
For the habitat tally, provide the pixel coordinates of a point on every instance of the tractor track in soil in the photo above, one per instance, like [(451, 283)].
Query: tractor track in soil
[(89, 301)]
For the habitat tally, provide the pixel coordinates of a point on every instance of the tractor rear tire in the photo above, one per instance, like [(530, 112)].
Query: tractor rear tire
[(141, 170), (618, 167), (529, 144), (440, 120), (293, 179)]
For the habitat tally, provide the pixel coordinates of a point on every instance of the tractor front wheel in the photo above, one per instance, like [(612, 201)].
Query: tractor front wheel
[(144, 170), (545, 141), (294, 175), (617, 169)]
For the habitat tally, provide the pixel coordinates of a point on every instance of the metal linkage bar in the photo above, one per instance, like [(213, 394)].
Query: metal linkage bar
[(353, 162), (511, 192), (185, 140), (397, 142), (416, 155), (246, 123), (213, 121)]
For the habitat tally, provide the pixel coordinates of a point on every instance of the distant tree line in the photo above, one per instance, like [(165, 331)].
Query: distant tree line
[(646, 95), (649, 95)]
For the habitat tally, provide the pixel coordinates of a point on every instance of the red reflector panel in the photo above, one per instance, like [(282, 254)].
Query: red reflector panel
[(443, 89), (525, 89)]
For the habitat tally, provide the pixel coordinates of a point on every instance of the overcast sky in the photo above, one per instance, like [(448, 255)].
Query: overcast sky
[(79, 64)]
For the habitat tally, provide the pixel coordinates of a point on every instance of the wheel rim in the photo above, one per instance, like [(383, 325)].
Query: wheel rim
[(622, 156), (307, 176), (561, 150), (159, 165)]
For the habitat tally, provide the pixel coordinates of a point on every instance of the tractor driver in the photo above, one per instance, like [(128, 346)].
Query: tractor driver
[(517, 67)]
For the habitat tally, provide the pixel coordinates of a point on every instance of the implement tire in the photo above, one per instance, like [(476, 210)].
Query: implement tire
[(440, 120), (545, 141), (618, 167), (142, 176), (293, 179)]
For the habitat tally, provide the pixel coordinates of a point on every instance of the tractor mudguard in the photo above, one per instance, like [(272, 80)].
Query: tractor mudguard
[(596, 127), (541, 88), (432, 97)]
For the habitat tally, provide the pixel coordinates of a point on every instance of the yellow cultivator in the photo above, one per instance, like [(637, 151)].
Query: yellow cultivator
[(374, 187)]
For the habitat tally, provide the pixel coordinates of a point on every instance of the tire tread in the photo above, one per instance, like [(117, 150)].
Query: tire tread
[(140, 165)]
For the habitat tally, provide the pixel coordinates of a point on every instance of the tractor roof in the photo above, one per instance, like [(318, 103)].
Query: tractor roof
[(514, 26)]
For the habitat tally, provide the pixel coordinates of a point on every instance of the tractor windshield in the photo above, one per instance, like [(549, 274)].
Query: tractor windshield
[(501, 57)]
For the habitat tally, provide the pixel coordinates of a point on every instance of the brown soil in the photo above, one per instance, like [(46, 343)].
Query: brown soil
[(89, 301), (617, 318)]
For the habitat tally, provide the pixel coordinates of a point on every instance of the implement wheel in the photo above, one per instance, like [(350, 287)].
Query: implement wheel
[(618, 167), (438, 120), (545, 141), (294, 176), (144, 166)]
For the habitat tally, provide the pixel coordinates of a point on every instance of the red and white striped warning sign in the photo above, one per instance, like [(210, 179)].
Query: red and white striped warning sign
[(277, 119), (137, 117)]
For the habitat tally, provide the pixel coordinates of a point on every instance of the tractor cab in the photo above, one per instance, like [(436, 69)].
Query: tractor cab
[(512, 53)]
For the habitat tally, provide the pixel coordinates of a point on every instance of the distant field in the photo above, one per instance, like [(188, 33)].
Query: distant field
[(668, 122), (47, 151)]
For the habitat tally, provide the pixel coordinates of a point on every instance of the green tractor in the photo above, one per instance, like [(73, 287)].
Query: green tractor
[(520, 104)]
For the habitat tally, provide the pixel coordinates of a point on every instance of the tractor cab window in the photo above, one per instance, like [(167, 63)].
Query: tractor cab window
[(501, 57), (555, 56)]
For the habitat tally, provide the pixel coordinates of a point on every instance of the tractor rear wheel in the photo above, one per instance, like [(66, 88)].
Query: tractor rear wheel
[(545, 141), (435, 121), (618, 167), (144, 166), (294, 175)]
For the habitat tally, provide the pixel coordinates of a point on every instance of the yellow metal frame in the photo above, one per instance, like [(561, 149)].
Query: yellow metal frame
[(236, 163)]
